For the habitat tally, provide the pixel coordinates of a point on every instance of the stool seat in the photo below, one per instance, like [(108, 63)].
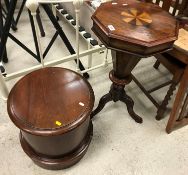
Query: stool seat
[(182, 42), (52, 107)]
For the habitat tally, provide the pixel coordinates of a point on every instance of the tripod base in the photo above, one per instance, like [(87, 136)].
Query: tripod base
[(117, 93)]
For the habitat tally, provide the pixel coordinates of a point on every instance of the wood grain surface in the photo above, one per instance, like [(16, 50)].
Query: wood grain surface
[(137, 27), (50, 100)]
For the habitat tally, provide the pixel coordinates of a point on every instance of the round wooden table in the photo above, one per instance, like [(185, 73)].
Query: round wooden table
[(132, 30), (52, 107)]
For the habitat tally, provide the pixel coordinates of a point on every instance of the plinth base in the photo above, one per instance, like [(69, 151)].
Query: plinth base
[(61, 162)]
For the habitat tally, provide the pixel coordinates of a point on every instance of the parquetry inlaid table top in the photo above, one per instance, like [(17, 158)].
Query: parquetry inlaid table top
[(130, 25)]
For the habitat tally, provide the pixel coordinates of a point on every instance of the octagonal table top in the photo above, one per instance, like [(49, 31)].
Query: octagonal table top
[(134, 26)]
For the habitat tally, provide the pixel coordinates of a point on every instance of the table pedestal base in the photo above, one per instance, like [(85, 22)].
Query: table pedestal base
[(59, 162), (115, 94)]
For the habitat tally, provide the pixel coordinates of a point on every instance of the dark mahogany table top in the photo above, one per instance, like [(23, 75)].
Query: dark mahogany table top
[(133, 26), (50, 100)]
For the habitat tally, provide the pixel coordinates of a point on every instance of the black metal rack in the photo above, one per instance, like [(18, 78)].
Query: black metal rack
[(6, 25)]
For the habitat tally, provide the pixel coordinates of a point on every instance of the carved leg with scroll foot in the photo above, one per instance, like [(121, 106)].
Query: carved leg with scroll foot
[(104, 99), (117, 93), (130, 103)]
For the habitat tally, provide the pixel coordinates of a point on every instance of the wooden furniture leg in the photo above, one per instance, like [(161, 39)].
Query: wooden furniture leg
[(175, 119), (163, 106)]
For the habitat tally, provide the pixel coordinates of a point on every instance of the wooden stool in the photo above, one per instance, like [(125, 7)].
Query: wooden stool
[(52, 107)]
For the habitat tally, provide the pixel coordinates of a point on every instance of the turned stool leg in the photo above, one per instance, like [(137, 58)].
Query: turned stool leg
[(162, 108), (156, 65)]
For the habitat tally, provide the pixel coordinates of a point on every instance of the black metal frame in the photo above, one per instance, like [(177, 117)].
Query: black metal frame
[(6, 27), (8, 22)]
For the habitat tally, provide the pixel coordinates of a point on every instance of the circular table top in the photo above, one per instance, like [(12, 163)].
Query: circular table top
[(130, 25), (49, 101)]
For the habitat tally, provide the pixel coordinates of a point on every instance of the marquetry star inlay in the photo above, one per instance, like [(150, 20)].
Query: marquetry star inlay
[(137, 18)]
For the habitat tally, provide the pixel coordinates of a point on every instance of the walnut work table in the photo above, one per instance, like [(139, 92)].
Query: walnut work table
[(132, 30)]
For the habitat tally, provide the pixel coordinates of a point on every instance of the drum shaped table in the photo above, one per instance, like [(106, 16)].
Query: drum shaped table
[(52, 107)]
